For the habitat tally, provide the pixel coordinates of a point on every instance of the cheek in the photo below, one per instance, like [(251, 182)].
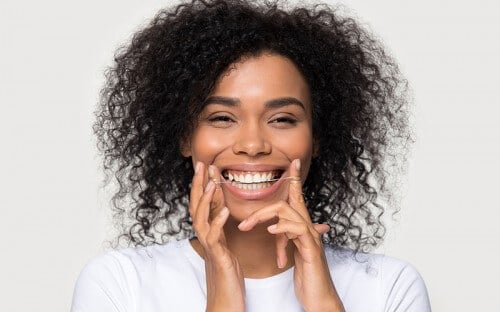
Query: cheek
[(205, 145), (299, 145)]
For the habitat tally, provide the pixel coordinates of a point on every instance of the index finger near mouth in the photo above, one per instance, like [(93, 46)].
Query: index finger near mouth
[(197, 187), (295, 197), (217, 202)]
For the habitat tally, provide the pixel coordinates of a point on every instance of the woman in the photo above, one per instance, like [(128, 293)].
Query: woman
[(258, 138)]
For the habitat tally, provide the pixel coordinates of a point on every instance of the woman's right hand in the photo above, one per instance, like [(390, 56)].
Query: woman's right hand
[(225, 284)]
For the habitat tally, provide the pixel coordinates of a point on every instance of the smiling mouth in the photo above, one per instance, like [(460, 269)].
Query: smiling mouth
[(248, 180)]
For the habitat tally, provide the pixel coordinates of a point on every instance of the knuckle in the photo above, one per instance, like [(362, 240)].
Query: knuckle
[(282, 204), (211, 241), (197, 225), (304, 228)]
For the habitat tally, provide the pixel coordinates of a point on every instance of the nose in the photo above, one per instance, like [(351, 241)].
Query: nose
[(251, 141)]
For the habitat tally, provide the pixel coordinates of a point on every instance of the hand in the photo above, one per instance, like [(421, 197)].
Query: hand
[(313, 285), (225, 284)]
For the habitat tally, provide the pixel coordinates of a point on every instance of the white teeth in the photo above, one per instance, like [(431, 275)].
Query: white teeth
[(257, 177), (251, 186), (248, 178)]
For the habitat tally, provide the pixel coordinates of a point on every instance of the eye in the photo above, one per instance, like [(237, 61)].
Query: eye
[(220, 118), (283, 121), (221, 121)]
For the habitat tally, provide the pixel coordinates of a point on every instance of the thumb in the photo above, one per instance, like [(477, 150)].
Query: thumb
[(295, 197)]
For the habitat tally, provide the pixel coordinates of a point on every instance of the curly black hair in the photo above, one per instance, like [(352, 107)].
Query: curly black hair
[(157, 86)]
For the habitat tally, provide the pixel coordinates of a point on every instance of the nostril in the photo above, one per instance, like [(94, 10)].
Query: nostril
[(251, 142)]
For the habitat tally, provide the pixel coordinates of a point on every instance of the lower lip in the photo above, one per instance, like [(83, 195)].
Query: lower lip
[(254, 194)]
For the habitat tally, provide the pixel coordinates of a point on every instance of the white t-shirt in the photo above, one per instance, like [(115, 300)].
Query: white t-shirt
[(171, 277)]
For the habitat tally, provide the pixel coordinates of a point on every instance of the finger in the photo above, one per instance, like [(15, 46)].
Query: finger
[(215, 235), (295, 197), (197, 186), (200, 220), (218, 199), (321, 228), (280, 210), (281, 256), (293, 230)]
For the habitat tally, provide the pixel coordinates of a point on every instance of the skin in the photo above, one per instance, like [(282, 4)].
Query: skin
[(259, 235)]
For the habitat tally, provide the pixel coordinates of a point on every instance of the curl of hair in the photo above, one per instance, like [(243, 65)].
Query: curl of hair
[(155, 88)]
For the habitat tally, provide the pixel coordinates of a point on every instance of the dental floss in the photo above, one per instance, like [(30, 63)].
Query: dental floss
[(294, 180)]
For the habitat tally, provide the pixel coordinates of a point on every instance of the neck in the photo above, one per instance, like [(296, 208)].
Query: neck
[(256, 250)]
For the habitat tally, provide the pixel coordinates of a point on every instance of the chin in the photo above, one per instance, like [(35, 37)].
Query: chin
[(240, 212), (242, 208)]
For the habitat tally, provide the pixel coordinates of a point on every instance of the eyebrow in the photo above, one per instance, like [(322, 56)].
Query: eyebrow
[(271, 104)]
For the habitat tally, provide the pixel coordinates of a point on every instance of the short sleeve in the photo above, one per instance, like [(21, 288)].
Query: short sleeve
[(403, 287), (103, 286)]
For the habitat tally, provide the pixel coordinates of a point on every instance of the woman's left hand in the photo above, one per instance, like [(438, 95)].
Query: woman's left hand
[(313, 285)]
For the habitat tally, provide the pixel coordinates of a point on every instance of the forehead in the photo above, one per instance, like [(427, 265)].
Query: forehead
[(261, 78)]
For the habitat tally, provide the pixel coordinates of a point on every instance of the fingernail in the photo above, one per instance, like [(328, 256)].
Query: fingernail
[(272, 228), (297, 164), (278, 262), (224, 212), (197, 167), (242, 223), (209, 186), (211, 171)]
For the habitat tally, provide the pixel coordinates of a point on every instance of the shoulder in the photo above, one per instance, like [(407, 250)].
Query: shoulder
[(103, 283), (388, 282), (123, 262), (114, 278), (381, 267)]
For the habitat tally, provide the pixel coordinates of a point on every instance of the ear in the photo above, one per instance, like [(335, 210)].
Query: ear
[(185, 147)]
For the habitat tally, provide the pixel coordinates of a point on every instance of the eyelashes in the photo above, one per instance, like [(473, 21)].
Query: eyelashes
[(223, 119), (284, 120)]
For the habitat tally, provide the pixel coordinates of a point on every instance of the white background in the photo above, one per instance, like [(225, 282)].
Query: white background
[(54, 217)]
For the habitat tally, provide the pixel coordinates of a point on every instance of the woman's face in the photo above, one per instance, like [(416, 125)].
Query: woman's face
[(255, 123)]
